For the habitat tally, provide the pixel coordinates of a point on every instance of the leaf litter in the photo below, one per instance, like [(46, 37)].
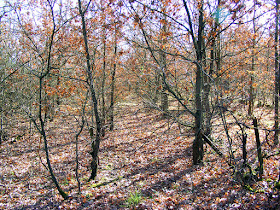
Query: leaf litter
[(145, 163)]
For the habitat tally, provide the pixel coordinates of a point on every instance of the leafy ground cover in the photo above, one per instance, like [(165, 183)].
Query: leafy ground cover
[(145, 163)]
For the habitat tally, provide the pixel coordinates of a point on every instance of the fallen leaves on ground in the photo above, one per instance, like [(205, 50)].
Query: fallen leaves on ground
[(145, 163)]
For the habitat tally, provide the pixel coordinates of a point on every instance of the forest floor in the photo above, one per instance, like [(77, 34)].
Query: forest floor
[(145, 163)]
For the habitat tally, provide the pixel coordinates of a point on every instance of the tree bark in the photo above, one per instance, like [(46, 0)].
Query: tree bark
[(103, 111), (43, 133), (276, 85), (200, 53), (252, 90), (198, 43), (259, 149), (112, 98), (95, 144), (164, 95)]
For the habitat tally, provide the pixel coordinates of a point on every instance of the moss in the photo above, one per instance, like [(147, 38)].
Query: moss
[(277, 185), (248, 187)]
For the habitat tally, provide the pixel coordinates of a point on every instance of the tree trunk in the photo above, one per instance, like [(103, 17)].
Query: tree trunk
[(199, 128), (276, 94), (164, 95), (57, 95), (77, 147), (41, 126), (113, 85), (95, 144), (198, 43), (215, 58), (198, 143), (244, 149), (252, 90), (103, 117), (259, 149), (164, 102), (43, 133)]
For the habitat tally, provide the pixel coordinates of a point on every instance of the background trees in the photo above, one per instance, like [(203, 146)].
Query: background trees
[(208, 60)]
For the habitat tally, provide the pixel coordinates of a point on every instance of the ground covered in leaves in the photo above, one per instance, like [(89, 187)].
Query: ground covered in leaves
[(145, 163)]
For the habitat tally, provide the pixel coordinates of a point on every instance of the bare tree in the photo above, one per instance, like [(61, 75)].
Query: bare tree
[(96, 142), (276, 85), (41, 75)]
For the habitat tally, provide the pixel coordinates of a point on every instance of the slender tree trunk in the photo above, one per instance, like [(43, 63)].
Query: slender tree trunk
[(103, 111), (164, 95), (41, 126), (2, 118), (207, 79), (164, 102), (252, 90), (58, 84), (157, 86), (198, 143), (95, 144), (77, 146), (198, 43), (113, 85), (259, 149), (244, 149), (77, 157), (276, 93), (200, 53), (43, 133)]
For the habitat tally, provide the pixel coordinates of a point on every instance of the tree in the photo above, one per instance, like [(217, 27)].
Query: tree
[(199, 45), (95, 144), (113, 79), (276, 85), (44, 57), (202, 37)]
